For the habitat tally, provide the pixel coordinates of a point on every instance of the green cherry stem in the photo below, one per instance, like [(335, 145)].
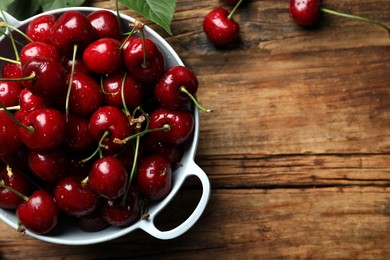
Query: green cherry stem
[(234, 9), (199, 106), (70, 82), (30, 129), (3, 24), (98, 149), (165, 127), (133, 168), (125, 108), (30, 77), (10, 60), (3, 185), (355, 17), (17, 107)]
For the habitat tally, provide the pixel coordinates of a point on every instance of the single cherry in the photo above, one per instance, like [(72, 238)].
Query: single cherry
[(122, 213), (74, 197), (307, 13), (12, 70), (144, 61), (105, 24), (9, 93), (92, 222), (39, 212), (71, 28), (48, 165), (10, 140), (132, 91), (29, 102), (108, 177), (220, 27), (43, 129), (77, 137), (103, 56), (14, 178), (33, 49), (112, 120), (42, 73), (39, 28), (154, 177), (180, 125), (85, 94)]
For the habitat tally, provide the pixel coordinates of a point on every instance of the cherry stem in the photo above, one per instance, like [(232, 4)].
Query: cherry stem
[(133, 168), (128, 37), (30, 77), (234, 9), (3, 185), (17, 107), (10, 60), (125, 108), (70, 82), (140, 25), (4, 24), (165, 127), (98, 149), (30, 129), (199, 106), (354, 17)]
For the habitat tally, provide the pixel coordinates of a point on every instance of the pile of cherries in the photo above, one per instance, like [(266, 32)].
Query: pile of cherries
[(92, 123)]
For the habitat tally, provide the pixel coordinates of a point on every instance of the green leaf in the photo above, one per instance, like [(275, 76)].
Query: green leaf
[(158, 11), (54, 4), (23, 9)]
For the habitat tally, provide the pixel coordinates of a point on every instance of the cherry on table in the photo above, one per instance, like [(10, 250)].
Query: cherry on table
[(220, 27)]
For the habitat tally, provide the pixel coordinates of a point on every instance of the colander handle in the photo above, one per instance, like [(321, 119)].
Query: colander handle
[(9, 19), (148, 225)]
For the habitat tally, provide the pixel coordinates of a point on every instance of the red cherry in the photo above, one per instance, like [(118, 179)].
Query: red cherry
[(71, 28), (75, 197), (92, 222), (13, 178), (77, 133), (220, 27), (181, 124), (84, 86), (49, 165), (122, 213), (39, 213), (79, 66), (144, 64), (173, 153), (29, 102), (305, 12), (103, 56), (9, 93), (108, 177), (33, 49), (12, 70), (168, 90), (133, 92), (10, 140), (46, 71), (39, 28), (112, 120), (154, 177), (45, 129), (104, 24)]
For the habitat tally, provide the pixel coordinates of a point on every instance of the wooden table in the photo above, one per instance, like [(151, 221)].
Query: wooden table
[(297, 150)]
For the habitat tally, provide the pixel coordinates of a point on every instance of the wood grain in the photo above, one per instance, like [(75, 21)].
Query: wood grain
[(297, 150)]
